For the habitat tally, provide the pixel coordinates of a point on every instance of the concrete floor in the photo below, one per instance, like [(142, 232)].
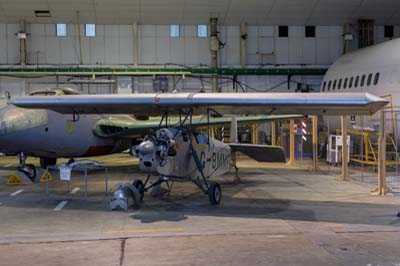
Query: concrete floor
[(275, 216)]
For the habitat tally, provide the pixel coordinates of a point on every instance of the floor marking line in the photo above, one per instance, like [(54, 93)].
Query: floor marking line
[(61, 205), (76, 189), (159, 230), (16, 192)]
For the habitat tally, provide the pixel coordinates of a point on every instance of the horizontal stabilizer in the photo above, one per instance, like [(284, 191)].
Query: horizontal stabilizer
[(261, 153)]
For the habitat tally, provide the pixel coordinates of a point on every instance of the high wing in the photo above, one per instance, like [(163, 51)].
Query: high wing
[(200, 103), (119, 126)]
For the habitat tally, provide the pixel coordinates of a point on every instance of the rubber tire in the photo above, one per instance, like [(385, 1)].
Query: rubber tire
[(138, 184), (44, 162), (136, 198), (31, 173), (214, 193)]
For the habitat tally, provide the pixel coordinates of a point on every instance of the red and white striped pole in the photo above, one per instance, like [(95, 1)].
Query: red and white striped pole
[(304, 128)]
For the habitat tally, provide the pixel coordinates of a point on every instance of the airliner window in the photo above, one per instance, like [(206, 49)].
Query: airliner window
[(323, 87), (356, 82), (369, 79), (351, 82), (376, 79), (334, 85), (345, 83), (362, 81), (329, 85), (340, 84)]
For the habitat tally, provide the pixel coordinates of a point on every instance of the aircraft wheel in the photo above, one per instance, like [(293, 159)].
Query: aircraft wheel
[(29, 170), (44, 162), (214, 193), (138, 184), (136, 198)]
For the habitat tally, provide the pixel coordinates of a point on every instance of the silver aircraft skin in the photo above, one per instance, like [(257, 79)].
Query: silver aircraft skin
[(176, 152), (48, 134)]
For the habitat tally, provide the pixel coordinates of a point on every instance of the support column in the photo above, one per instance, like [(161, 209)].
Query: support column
[(135, 44), (254, 134), (345, 170), (243, 37), (291, 143), (214, 46), (315, 167), (273, 133), (382, 155), (233, 138), (346, 38), (22, 42), (78, 22)]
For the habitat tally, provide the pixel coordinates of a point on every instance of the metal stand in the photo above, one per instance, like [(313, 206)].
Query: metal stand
[(82, 168)]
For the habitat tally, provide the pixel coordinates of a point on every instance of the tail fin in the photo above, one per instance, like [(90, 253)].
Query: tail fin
[(260, 153)]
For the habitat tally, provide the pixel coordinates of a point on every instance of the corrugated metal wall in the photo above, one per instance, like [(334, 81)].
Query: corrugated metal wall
[(113, 44)]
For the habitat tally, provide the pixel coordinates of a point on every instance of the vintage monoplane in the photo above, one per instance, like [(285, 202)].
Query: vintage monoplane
[(177, 152)]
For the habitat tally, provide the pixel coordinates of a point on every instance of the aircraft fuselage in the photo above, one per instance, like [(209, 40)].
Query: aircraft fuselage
[(32, 132)]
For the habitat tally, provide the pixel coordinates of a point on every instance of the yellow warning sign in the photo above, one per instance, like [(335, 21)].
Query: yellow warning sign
[(14, 180), (46, 177)]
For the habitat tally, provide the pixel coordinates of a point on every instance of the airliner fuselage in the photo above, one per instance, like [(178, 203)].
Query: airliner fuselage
[(374, 69)]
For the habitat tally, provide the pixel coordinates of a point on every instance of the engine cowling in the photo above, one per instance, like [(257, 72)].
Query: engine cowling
[(155, 150)]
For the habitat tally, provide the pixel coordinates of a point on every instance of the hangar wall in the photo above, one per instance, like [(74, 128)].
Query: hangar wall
[(113, 44)]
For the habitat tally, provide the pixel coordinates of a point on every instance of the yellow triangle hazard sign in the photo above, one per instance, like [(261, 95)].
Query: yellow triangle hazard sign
[(46, 176), (14, 180)]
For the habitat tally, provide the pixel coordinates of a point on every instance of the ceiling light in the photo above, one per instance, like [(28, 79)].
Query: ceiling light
[(42, 13)]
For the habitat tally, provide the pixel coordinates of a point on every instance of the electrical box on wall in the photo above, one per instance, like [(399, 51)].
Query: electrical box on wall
[(348, 37), (21, 35)]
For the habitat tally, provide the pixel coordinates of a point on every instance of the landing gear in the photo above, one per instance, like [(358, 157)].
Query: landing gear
[(214, 193), (136, 197), (28, 169), (138, 184), (44, 162)]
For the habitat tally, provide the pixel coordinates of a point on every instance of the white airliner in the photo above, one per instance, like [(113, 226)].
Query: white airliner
[(375, 69)]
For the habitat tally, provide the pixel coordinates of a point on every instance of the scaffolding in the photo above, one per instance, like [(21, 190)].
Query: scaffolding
[(364, 147)]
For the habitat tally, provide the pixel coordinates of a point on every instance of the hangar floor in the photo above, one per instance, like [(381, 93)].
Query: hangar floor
[(275, 216)]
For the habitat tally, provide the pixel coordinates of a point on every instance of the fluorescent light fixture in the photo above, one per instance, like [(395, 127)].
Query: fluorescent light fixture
[(42, 13)]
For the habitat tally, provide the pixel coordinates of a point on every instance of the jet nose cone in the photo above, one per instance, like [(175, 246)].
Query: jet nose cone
[(3, 130), (14, 119)]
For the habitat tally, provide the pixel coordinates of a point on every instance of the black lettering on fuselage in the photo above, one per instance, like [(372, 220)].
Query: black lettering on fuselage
[(219, 159), (214, 160), (203, 159)]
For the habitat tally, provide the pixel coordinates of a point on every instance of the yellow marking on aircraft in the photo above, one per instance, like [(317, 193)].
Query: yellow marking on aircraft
[(201, 145), (138, 231), (69, 126)]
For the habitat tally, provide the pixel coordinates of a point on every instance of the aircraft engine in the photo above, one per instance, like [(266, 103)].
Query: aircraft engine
[(154, 151)]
